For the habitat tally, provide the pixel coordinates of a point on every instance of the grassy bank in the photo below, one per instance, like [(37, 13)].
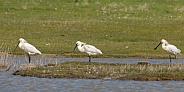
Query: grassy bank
[(119, 28), (95, 70)]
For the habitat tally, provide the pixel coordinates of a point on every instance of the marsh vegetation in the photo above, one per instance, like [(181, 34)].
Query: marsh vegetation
[(96, 70)]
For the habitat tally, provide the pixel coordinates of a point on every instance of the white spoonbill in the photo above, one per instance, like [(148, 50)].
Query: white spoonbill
[(171, 49), (28, 48), (89, 49)]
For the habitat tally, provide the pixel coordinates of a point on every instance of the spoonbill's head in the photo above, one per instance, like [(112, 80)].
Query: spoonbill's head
[(163, 41), (78, 43), (21, 40)]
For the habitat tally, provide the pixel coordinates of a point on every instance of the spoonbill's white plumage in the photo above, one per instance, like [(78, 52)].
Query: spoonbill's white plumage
[(171, 49), (28, 48), (89, 49)]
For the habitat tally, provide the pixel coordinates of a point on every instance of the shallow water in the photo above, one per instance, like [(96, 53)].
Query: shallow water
[(105, 60), (14, 83)]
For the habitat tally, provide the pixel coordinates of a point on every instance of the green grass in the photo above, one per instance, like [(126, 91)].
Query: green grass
[(97, 70), (118, 28)]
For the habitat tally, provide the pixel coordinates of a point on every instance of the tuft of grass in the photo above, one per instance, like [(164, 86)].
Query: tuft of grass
[(96, 70)]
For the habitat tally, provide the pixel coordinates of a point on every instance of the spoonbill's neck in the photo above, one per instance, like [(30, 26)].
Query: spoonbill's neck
[(21, 45), (80, 48), (164, 46)]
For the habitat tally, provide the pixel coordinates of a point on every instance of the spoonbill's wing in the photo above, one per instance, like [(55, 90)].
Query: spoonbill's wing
[(92, 49), (173, 49), (31, 49)]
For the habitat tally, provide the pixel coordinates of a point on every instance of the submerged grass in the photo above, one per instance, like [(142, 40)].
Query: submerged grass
[(5, 61), (118, 28), (96, 70)]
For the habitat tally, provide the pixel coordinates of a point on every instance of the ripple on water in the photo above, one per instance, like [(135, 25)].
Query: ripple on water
[(12, 83)]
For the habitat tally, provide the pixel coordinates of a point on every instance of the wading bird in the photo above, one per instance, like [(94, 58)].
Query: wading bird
[(28, 48), (89, 49), (171, 49)]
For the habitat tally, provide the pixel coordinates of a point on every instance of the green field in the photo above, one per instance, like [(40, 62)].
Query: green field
[(119, 28)]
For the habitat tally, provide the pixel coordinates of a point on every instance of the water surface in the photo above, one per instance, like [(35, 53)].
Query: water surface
[(11, 83), (105, 60), (16, 83)]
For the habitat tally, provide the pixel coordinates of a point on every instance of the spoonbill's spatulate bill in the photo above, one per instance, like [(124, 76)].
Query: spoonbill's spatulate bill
[(89, 49), (28, 48), (171, 49)]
